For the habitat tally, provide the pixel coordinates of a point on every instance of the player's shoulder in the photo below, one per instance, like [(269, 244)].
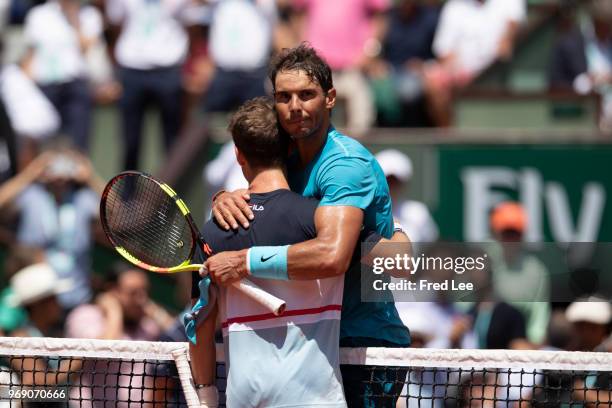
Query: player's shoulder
[(291, 202), (345, 146), (347, 152)]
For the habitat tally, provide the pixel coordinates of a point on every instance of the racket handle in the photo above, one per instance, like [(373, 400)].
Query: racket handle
[(271, 302)]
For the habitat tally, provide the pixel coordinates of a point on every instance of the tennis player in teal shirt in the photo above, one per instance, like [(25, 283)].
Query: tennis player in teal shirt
[(354, 197)]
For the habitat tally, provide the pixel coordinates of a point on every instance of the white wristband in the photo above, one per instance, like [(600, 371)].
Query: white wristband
[(208, 395)]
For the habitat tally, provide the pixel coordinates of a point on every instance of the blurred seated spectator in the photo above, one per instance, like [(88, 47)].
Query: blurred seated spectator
[(591, 319), (150, 49), (123, 312), (519, 278), (35, 288), (396, 75), (422, 383), (56, 200), (241, 38), (413, 215), (451, 326), (582, 58), (348, 35), (59, 34), (471, 35), (496, 324)]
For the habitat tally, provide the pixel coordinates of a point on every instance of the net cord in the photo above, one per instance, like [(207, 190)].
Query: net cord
[(393, 357)]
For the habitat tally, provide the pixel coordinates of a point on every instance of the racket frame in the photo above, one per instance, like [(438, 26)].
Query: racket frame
[(196, 236)]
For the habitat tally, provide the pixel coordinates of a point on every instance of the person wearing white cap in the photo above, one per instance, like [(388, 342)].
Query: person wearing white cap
[(413, 215), (36, 287), (591, 319)]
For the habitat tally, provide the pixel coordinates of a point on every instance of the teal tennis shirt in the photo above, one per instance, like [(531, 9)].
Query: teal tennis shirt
[(345, 173)]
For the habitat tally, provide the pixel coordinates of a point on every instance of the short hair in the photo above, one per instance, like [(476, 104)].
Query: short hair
[(302, 58), (254, 129)]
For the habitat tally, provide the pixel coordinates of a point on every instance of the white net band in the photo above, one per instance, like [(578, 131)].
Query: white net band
[(395, 357)]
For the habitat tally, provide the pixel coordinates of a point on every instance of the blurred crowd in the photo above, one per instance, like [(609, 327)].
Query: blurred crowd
[(395, 63)]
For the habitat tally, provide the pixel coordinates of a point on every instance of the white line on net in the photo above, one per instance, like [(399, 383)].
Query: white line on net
[(476, 359)]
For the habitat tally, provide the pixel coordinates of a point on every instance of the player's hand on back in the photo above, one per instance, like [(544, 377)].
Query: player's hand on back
[(227, 267), (231, 209)]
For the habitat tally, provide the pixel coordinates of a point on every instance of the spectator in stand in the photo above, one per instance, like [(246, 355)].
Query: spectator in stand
[(591, 319), (35, 288), (413, 215), (497, 324), (57, 198), (59, 34), (582, 58), (453, 326), (519, 278), (123, 312), (149, 51), (348, 35), (241, 40), (397, 74), (471, 35)]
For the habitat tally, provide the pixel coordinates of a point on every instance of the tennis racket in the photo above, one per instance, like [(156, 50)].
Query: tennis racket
[(150, 226)]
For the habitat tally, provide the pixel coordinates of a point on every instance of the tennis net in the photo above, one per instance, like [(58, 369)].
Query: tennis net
[(104, 373)]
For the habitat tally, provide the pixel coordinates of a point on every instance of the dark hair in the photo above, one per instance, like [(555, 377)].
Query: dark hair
[(254, 128), (302, 58)]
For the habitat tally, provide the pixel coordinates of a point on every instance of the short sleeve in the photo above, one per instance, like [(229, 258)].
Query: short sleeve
[(444, 38), (347, 181), (305, 208)]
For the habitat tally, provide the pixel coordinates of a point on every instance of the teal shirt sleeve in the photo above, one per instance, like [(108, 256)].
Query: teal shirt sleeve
[(347, 181)]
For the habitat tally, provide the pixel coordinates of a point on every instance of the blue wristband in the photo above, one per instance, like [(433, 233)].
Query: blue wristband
[(268, 262)]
